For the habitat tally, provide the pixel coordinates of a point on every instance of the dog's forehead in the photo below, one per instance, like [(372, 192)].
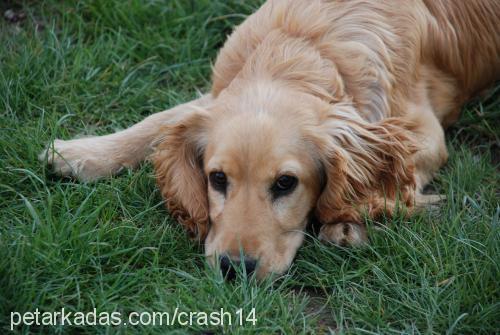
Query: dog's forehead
[(257, 143)]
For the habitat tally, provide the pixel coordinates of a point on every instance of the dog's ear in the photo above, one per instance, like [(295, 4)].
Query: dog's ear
[(368, 166), (178, 162)]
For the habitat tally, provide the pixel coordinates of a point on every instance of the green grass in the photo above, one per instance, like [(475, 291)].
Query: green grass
[(99, 66)]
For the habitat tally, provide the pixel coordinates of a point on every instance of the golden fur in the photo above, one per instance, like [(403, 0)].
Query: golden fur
[(350, 97)]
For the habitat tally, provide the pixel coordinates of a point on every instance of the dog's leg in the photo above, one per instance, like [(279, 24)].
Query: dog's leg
[(92, 158), (431, 156)]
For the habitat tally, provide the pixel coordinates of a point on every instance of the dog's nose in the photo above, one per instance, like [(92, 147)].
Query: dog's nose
[(228, 266)]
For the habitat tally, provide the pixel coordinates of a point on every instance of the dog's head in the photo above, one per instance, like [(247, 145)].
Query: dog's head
[(244, 174)]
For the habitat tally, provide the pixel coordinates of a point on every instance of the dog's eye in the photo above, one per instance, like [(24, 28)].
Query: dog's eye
[(283, 185), (218, 180)]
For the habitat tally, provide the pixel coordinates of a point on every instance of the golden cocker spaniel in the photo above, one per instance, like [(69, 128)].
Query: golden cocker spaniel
[(335, 108)]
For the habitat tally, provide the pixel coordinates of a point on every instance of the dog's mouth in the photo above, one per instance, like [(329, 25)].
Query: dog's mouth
[(244, 263)]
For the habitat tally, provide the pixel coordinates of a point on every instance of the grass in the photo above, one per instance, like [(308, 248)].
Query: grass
[(92, 67)]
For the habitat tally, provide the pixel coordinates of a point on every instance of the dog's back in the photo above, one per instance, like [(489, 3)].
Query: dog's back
[(464, 40), (383, 53)]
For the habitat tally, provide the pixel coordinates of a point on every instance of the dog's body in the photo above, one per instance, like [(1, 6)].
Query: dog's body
[(336, 107)]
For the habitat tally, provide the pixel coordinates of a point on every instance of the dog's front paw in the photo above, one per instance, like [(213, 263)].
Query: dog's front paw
[(85, 159), (343, 234)]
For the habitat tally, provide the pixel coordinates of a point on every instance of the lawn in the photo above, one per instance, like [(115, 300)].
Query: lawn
[(76, 68)]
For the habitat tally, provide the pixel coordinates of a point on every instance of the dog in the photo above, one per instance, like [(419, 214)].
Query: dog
[(335, 109)]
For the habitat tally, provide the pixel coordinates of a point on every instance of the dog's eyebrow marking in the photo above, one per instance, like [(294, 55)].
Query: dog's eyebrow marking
[(214, 164), (290, 167)]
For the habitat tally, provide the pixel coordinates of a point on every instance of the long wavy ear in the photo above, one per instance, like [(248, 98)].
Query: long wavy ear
[(178, 162), (368, 166)]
